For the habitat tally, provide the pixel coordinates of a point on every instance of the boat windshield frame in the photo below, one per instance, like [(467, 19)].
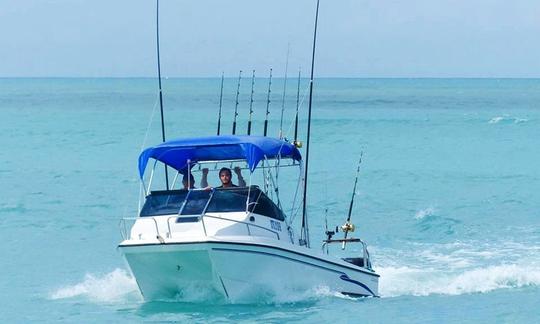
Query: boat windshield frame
[(195, 202)]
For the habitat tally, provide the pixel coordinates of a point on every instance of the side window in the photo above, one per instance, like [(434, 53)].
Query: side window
[(266, 207)]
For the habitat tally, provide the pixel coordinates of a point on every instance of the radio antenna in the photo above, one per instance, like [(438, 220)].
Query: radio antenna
[(160, 89), (305, 227)]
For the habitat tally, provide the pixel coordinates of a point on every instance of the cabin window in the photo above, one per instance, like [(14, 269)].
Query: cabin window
[(234, 200), (163, 202), (229, 200), (195, 202)]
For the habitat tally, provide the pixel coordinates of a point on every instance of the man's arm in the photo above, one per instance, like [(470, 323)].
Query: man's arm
[(241, 181), (204, 178)]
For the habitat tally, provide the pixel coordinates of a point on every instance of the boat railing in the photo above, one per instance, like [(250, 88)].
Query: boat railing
[(127, 235), (365, 254), (123, 228), (202, 217)]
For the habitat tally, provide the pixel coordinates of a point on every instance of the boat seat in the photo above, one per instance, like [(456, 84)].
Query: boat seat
[(356, 261)]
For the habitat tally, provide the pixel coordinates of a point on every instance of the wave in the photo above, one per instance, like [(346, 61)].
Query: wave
[(13, 208), (119, 286), (115, 286), (413, 269), (507, 119), (399, 281)]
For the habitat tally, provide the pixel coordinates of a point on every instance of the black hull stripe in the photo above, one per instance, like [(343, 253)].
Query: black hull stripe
[(343, 276), (355, 295), (257, 245), (346, 278)]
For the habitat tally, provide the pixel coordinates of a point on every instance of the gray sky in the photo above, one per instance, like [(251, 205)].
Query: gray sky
[(358, 38)]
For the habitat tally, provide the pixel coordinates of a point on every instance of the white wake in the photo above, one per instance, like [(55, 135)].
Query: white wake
[(422, 282), (115, 286)]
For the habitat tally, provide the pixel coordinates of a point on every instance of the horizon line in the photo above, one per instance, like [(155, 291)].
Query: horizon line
[(276, 77)]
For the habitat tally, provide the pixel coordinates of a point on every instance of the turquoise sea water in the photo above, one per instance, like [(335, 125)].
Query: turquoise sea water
[(448, 199)]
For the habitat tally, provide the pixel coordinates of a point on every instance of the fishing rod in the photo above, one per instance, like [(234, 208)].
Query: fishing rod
[(160, 89), (236, 106), (251, 103), (284, 91), (305, 229), (220, 103), (268, 104), (297, 107), (348, 226)]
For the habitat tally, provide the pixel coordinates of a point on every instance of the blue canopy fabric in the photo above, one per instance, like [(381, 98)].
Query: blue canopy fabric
[(176, 153)]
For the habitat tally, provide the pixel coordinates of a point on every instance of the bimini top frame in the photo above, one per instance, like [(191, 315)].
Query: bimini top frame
[(180, 153)]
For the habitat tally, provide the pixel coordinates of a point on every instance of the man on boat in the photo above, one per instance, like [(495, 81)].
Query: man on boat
[(225, 176), (188, 184)]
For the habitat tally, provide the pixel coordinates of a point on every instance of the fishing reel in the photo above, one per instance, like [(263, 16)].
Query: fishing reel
[(348, 227), (329, 234)]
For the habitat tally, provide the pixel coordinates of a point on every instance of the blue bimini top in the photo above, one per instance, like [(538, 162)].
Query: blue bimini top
[(176, 153)]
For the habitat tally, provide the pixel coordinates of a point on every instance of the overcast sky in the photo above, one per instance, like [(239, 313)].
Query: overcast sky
[(358, 38)]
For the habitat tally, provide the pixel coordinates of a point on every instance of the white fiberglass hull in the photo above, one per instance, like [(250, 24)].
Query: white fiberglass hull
[(237, 271)]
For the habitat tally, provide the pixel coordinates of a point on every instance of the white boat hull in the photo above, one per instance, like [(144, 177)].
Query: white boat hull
[(240, 271)]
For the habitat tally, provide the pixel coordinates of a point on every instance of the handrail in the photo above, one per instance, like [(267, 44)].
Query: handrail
[(124, 232), (365, 253), (169, 234), (246, 223), (123, 220)]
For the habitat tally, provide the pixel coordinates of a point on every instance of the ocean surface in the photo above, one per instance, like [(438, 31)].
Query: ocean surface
[(448, 197)]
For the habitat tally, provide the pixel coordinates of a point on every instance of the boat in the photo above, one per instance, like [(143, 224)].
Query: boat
[(233, 243)]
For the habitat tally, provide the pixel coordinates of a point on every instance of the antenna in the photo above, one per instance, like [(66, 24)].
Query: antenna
[(284, 90), (297, 107), (348, 227), (236, 106), (268, 103), (160, 90), (305, 232), (251, 103), (220, 104)]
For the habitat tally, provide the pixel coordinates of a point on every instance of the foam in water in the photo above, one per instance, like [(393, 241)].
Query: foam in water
[(430, 211), (119, 286), (422, 282), (115, 286), (507, 118)]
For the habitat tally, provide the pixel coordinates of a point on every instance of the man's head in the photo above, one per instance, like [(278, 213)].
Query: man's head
[(191, 181), (225, 177)]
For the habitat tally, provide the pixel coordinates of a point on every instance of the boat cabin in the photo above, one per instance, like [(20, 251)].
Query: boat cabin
[(170, 213)]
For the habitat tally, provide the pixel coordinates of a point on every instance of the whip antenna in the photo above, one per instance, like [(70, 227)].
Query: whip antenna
[(160, 90), (348, 227), (268, 104), (220, 104), (284, 91), (251, 103), (305, 228), (236, 106)]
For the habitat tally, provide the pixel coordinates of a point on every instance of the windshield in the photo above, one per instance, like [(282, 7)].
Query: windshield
[(217, 200), (164, 202)]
